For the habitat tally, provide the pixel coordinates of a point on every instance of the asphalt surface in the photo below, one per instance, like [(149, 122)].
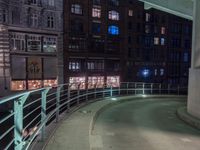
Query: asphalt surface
[(144, 125)]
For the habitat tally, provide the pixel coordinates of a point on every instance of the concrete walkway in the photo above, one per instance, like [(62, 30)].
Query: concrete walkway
[(73, 133), (145, 125), (140, 124)]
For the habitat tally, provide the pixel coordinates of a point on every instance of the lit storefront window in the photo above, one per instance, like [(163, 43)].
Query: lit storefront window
[(113, 81), (98, 81), (48, 83), (34, 84), (34, 43), (50, 44), (18, 85), (80, 80)]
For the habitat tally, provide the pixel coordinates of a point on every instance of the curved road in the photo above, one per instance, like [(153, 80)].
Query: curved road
[(144, 125)]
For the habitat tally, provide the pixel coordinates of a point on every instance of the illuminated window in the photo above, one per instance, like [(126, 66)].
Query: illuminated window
[(34, 84), (97, 80), (147, 28), (76, 9), (162, 41), (95, 65), (156, 72), (113, 81), (130, 12), (163, 30), (113, 15), (156, 41), (113, 30), (185, 57), (147, 17), (50, 44), (96, 12), (75, 80), (18, 85), (34, 43), (162, 71), (48, 83), (74, 66)]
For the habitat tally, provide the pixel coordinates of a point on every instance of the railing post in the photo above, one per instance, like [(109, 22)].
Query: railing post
[(86, 92), (58, 102), (43, 111), (135, 86), (143, 88), (78, 94), (178, 88), (95, 91), (151, 89), (168, 89), (18, 121), (68, 98), (159, 88), (103, 91), (127, 85), (119, 89), (111, 91)]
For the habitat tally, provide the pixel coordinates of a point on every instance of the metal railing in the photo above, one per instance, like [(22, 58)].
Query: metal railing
[(28, 114)]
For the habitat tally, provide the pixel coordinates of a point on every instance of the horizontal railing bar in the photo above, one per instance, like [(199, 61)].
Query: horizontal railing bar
[(9, 144), (31, 112), (48, 101), (32, 121), (51, 106), (5, 133), (6, 118), (6, 99), (31, 103)]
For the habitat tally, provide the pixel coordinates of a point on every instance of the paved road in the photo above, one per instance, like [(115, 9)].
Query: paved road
[(144, 125)]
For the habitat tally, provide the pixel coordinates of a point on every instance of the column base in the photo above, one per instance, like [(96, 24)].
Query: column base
[(193, 106)]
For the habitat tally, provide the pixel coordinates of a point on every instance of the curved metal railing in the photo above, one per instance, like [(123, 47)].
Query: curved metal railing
[(28, 114)]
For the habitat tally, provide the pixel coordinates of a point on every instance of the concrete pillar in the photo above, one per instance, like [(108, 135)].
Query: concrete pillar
[(194, 77)]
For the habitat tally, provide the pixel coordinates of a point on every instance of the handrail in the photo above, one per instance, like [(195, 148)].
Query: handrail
[(29, 113)]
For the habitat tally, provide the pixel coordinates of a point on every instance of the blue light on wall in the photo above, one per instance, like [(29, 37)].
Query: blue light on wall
[(146, 73), (113, 30)]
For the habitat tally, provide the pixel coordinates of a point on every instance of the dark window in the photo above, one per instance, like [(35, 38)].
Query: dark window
[(114, 2), (130, 25), (96, 28), (16, 16), (96, 2), (50, 22), (4, 16), (76, 26), (129, 40)]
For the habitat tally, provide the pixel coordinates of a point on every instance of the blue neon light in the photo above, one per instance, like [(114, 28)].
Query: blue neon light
[(113, 30)]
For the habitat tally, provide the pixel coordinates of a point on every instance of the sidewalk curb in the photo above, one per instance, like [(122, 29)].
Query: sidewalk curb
[(187, 118)]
